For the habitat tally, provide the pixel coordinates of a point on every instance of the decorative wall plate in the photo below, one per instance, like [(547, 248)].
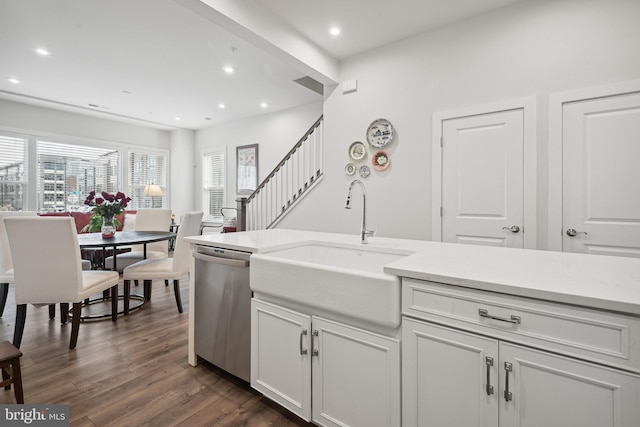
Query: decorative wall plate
[(380, 133), (357, 151), (364, 171), (380, 160), (350, 169)]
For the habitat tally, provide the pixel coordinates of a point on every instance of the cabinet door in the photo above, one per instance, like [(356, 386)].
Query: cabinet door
[(449, 377), (356, 377), (280, 356), (554, 391)]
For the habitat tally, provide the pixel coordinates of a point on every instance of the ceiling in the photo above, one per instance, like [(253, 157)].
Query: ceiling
[(154, 61), (367, 24)]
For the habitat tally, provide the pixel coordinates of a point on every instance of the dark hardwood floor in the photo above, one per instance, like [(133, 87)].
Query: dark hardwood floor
[(133, 372)]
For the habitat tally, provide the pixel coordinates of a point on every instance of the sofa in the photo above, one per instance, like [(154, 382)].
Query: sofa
[(127, 219)]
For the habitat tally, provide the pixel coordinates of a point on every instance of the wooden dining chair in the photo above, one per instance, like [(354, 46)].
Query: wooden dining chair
[(146, 220), (48, 270), (10, 366), (6, 262), (165, 269)]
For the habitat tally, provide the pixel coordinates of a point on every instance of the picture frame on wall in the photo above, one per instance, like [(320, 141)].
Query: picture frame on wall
[(246, 169)]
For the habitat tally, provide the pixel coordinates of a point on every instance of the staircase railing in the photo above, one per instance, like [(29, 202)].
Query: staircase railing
[(290, 180)]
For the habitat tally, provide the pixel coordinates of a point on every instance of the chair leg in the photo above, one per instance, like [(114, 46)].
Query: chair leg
[(126, 296), (4, 292), (5, 376), (147, 289), (75, 324), (16, 373), (166, 283), (52, 311), (21, 316), (114, 303), (64, 312), (176, 291)]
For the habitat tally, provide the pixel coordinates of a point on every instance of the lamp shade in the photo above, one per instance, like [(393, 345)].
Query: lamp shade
[(152, 190)]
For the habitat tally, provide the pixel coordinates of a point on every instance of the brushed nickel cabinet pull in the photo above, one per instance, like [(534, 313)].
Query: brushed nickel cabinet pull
[(489, 362), (514, 319), (314, 351), (303, 351), (508, 367)]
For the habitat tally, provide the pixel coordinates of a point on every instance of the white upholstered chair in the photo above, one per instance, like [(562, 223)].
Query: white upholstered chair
[(146, 220), (6, 262), (165, 268), (48, 269)]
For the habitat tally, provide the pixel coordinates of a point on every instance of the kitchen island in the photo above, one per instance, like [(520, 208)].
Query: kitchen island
[(529, 322)]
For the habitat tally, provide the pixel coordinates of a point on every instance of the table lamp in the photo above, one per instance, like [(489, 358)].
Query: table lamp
[(152, 190)]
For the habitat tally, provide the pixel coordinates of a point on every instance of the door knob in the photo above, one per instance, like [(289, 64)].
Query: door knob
[(513, 228), (572, 232)]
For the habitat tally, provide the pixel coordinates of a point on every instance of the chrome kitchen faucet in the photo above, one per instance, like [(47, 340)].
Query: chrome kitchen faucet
[(364, 233)]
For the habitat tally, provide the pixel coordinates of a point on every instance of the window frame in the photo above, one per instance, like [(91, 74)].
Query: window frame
[(164, 177), (24, 182), (205, 188), (30, 197), (52, 180)]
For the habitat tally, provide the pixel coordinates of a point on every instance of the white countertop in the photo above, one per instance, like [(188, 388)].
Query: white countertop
[(602, 282)]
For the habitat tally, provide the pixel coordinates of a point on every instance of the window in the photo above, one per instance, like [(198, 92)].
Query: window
[(146, 168), (13, 177), (213, 183), (67, 173)]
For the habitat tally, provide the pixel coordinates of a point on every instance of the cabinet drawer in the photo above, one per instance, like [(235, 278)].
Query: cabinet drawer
[(604, 337)]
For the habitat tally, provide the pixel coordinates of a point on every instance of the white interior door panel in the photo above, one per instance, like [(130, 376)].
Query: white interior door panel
[(482, 179), (601, 176)]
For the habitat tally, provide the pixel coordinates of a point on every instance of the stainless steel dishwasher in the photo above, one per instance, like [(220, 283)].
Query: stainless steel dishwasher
[(223, 309)]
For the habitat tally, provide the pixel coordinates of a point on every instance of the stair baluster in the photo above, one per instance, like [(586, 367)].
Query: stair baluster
[(297, 173)]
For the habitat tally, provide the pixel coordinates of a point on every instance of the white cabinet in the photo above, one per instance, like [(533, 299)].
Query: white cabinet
[(455, 378), (280, 356), (555, 391), (324, 371), (444, 375), (495, 376)]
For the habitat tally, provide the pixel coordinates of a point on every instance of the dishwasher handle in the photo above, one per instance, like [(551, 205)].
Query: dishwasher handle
[(223, 261)]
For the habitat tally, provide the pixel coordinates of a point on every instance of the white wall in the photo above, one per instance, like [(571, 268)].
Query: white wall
[(182, 177), (29, 118), (532, 48), (275, 133)]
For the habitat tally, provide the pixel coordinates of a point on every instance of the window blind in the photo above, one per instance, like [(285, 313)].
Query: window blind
[(213, 182), (67, 173), (146, 168), (13, 176)]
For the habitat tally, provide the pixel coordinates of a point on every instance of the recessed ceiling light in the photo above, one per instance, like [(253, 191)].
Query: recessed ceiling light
[(42, 51), (207, 118), (222, 105), (264, 104), (13, 80), (178, 118), (228, 69), (334, 31)]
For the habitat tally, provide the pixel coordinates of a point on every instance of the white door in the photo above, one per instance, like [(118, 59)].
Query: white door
[(482, 179), (449, 377), (281, 357), (355, 377), (601, 176), (554, 391)]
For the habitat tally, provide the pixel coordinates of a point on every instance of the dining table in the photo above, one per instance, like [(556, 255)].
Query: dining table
[(118, 241)]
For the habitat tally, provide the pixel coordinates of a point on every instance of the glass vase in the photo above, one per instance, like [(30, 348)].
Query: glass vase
[(108, 227)]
